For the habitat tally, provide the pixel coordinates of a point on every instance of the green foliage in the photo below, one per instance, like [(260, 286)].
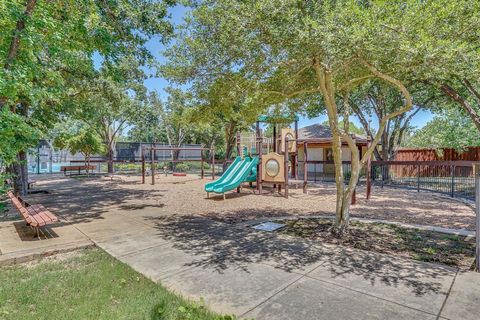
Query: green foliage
[(78, 137), (450, 129), (86, 142), (15, 135), (48, 51), (352, 127)]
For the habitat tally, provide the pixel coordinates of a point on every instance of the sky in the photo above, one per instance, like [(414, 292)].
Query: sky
[(177, 14)]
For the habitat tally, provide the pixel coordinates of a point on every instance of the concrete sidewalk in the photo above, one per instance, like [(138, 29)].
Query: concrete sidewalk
[(267, 276), (18, 243)]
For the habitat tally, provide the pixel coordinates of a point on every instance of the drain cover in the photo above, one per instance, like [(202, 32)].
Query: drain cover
[(269, 226)]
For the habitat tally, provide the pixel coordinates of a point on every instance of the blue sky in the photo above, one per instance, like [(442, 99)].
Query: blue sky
[(158, 84)]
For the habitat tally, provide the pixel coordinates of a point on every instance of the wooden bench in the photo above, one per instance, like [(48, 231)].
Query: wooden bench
[(36, 216), (64, 169)]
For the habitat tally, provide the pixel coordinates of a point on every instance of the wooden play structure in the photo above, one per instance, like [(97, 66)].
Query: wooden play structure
[(276, 158), (175, 155), (280, 156)]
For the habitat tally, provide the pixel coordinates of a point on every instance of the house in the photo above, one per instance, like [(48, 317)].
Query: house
[(317, 139)]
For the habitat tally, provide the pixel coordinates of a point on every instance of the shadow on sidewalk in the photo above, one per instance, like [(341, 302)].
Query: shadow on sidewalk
[(220, 246)]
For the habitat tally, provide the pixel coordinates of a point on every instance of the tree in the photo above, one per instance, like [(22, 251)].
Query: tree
[(175, 117), (441, 52), (78, 137), (49, 47), (296, 53), (353, 128), (374, 100), (16, 136), (226, 102), (147, 126), (86, 142), (450, 129)]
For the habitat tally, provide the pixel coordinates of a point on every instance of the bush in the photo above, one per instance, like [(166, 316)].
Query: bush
[(198, 165), (182, 167)]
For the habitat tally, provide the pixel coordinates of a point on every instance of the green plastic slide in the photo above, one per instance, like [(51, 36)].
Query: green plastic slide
[(241, 170), (226, 175)]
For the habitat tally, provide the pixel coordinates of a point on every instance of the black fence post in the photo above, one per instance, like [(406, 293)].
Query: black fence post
[(418, 178), (383, 168), (452, 189)]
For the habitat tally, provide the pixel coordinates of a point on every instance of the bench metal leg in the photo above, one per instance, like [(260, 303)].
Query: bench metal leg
[(36, 233)]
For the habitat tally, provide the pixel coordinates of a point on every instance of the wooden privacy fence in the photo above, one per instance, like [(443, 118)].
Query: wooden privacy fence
[(445, 154)]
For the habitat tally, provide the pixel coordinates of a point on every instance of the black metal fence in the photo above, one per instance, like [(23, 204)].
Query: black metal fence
[(453, 178), (322, 171)]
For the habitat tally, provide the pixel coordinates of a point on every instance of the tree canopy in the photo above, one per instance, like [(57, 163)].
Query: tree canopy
[(449, 129)]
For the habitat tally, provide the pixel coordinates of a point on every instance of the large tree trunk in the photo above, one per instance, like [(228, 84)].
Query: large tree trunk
[(20, 169), (20, 174), (110, 158), (230, 139), (327, 88)]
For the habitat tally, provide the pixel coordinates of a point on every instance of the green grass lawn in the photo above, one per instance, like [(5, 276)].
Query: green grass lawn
[(89, 284)]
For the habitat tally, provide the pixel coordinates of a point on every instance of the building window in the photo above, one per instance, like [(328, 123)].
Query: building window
[(329, 154)]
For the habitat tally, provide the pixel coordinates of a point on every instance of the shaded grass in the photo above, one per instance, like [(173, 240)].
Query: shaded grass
[(422, 245), (89, 284)]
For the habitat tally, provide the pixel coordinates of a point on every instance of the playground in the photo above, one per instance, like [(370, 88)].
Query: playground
[(186, 196), (194, 245), (193, 232)]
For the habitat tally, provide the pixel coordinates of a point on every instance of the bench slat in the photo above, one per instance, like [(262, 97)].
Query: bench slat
[(36, 215), (47, 215), (41, 217)]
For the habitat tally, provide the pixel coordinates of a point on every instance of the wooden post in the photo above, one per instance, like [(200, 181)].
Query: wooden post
[(295, 168), (143, 166), (259, 150), (239, 146), (201, 164), (275, 150), (369, 173), (275, 138), (213, 164), (305, 167), (285, 159), (354, 196), (152, 155)]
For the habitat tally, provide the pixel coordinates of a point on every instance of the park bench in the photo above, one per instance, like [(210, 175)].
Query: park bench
[(79, 168), (36, 216)]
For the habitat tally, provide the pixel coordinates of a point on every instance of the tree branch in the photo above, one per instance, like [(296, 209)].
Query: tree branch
[(407, 107)]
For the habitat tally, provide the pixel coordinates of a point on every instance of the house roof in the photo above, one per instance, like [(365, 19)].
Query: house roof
[(322, 133)]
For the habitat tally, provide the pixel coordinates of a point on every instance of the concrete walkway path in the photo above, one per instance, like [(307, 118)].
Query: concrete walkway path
[(260, 275)]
